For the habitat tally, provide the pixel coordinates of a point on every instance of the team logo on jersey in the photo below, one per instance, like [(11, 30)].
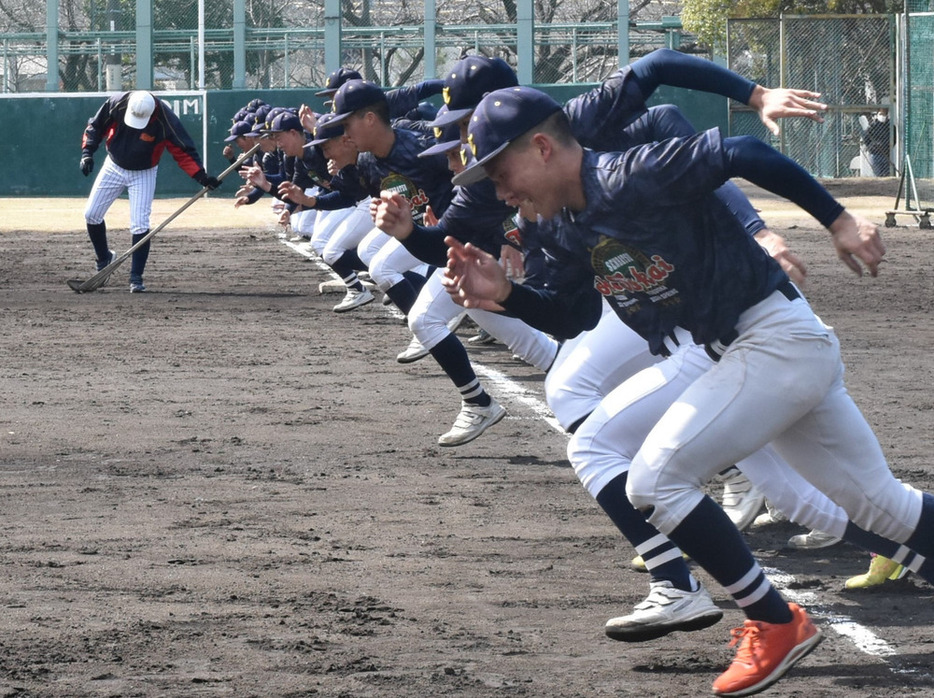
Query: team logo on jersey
[(622, 271), (405, 187), (511, 232)]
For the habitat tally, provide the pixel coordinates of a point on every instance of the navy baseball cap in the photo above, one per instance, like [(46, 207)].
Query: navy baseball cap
[(241, 128), (286, 120), (467, 82), (255, 104), (500, 118), (354, 95), (448, 137), (336, 79), (326, 129)]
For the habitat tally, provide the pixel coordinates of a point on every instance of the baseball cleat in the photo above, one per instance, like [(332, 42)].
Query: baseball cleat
[(354, 299), (741, 500), (665, 610), (102, 263), (812, 540), (137, 287), (771, 516), (881, 570), (766, 652), (472, 421), (412, 353)]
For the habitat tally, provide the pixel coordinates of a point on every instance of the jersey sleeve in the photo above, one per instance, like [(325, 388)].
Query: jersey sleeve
[(668, 67), (179, 143), (96, 130)]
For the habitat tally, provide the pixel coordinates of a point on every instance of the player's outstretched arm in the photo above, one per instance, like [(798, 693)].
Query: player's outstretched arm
[(856, 240)]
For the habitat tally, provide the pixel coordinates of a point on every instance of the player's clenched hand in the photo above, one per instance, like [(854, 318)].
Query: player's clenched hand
[(781, 103), (790, 262), (290, 191), (87, 165), (857, 240), (392, 214), (473, 278)]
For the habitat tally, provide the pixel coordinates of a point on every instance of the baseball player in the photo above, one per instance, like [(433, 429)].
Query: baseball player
[(591, 365), (389, 160), (136, 128), (433, 312), (641, 230)]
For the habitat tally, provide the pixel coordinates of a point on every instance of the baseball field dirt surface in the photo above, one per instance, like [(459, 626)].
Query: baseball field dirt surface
[(222, 488)]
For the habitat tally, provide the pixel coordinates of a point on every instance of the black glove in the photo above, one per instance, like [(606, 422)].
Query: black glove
[(87, 165), (206, 180)]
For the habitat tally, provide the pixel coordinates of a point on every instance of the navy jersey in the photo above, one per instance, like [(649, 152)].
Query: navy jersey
[(404, 101), (656, 244), (140, 149), (421, 181)]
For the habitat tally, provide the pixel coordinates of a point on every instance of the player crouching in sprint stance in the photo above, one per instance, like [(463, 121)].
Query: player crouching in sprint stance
[(644, 230), (137, 128)]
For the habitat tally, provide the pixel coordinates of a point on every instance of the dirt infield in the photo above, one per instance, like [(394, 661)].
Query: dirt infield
[(221, 488)]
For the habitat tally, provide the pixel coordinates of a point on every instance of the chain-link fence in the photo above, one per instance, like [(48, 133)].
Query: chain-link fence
[(284, 45), (919, 98), (849, 59)]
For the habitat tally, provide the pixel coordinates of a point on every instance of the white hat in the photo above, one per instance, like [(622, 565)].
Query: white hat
[(139, 108)]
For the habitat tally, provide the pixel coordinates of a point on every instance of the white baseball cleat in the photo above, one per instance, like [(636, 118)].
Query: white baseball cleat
[(472, 421), (812, 540), (771, 516), (354, 299), (665, 610), (412, 353)]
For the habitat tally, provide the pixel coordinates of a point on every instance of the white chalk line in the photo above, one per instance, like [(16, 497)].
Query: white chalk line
[(864, 639)]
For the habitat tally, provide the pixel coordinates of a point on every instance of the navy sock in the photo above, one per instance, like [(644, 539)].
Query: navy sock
[(403, 295), (344, 267), (708, 536), (138, 263), (97, 232), (416, 279), (662, 557), (351, 260), (922, 540), (452, 357)]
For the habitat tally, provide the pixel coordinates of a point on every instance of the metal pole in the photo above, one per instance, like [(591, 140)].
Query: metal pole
[(332, 36), (431, 27), (239, 49), (200, 44), (51, 43), (144, 45), (622, 32), (525, 38)]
